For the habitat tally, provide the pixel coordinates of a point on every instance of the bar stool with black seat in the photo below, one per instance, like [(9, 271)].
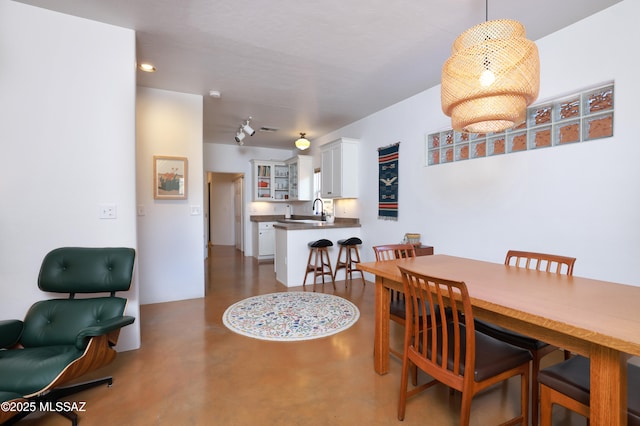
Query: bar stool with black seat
[(352, 257), (319, 262)]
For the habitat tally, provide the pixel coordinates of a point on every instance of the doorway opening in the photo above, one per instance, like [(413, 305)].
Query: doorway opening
[(226, 209)]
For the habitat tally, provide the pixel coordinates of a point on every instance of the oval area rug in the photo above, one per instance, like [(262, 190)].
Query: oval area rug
[(290, 316)]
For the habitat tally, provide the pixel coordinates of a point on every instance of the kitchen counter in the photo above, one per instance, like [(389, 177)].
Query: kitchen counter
[(266, 218), (292, 225), (292, 251), (305, 222)]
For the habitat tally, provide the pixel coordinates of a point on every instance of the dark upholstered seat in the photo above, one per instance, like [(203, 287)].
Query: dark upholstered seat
[(320, 243), (353, 241), (60, 340), (571, 378)]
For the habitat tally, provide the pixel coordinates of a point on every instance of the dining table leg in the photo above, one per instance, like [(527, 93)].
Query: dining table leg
[(381, 336), (608, 387)]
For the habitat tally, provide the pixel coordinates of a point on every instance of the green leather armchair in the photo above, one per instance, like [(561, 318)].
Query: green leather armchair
[(60, 340)]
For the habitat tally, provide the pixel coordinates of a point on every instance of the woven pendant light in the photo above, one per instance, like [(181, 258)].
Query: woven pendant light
[(493, 74)]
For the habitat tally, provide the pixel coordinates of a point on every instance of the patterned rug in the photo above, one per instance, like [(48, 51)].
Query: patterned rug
[(290, 316)]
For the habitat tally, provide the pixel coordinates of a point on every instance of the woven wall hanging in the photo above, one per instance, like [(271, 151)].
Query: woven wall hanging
[(388, 182)]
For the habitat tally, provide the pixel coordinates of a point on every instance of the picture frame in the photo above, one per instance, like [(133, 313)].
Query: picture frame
[(170, 177)]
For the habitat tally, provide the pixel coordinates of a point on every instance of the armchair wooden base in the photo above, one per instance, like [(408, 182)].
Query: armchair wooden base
[(99, 353)]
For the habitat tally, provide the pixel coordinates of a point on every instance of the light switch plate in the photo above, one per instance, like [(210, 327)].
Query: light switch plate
[(195, 210)]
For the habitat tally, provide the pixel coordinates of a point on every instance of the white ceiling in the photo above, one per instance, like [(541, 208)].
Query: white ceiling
[(302, 65)]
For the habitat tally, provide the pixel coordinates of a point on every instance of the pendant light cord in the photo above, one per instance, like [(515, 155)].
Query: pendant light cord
[(486, 10)]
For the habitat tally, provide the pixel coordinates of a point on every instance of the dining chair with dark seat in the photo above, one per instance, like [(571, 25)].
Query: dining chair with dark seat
[(567, 384), (541, 262), (450, 350), (397, 304)]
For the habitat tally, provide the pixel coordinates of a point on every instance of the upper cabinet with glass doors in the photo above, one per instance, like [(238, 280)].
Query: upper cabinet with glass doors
[(290, 180), (300, 178)]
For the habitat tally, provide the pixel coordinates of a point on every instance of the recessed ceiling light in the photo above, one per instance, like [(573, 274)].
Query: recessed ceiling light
[(146, 67)]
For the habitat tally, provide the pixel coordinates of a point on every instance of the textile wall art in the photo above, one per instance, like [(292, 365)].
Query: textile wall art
[(388, 182)]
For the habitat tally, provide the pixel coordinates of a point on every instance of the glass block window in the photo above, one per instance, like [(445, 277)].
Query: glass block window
[(579, 117)]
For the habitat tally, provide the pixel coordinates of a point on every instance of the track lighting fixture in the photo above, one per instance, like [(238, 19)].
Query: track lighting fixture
[(248, 129), (244, 130), (239, 137)]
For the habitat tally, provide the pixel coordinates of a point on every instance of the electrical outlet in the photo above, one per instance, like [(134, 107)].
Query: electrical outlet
[(108, 211)]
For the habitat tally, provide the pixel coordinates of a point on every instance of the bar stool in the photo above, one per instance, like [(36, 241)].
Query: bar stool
[(320, 264), (352, 256)]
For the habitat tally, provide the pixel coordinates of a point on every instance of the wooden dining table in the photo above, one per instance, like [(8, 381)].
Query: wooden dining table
[(597, 319)]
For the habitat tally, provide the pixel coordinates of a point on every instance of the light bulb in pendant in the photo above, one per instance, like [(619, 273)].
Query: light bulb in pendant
[(487, 78)]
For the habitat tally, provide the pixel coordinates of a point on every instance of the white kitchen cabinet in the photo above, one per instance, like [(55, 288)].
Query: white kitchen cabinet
[(270, 180), (300, 178), (339, 168), (264, 241)]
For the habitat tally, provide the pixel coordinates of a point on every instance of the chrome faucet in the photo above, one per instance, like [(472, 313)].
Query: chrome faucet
[(313, 206)]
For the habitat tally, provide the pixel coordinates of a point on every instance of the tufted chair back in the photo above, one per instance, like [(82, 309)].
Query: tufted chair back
[(86, 270), (74, 270)]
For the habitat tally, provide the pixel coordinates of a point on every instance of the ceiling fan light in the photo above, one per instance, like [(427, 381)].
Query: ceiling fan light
[(491, 78), (302, 143)]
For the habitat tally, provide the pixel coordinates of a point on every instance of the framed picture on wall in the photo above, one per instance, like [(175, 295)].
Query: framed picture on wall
[(169, 178)]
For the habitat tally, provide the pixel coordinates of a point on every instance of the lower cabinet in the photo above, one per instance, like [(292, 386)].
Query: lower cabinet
[(264, 240)]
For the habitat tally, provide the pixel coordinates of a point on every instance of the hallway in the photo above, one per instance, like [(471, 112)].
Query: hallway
[(191, 370)]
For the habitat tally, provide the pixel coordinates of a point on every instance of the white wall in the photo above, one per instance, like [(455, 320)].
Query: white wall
[(67, 132), (171, 240), (580, 200)]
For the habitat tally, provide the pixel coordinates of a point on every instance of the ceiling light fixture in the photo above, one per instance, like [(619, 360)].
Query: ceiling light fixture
[(239, 137), (146, 67), (302, 143), (248, 129), (491, 78)]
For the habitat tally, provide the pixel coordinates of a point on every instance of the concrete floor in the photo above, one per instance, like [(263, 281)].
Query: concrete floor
[(191, 370)]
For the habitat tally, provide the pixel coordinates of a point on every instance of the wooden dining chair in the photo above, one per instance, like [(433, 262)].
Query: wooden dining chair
[(541, 262), (449, 349), (567, 384), (397, 304)]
